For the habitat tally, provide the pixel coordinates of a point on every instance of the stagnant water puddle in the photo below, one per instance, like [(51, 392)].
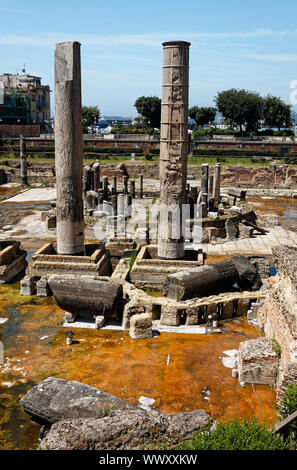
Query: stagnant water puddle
[(195, 377), (284, 208)]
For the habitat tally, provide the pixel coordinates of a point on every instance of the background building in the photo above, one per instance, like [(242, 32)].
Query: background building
[(24, 100)]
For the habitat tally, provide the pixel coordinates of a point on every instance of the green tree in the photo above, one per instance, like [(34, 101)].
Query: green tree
[(202, 115), (192, 112), (241, 107), (276, 113), (150, 109), (90, 114)]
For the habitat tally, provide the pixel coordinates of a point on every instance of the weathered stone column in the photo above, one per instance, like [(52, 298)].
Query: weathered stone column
[(204, 178), (96, 170), (173, 148), (210, 193), (68, 149), (204, 189), (114, 205), (132, 189), (217, 184), (125, 184), (87, 171), (114, 185), (140, 189), (23, 158), (105, 188)]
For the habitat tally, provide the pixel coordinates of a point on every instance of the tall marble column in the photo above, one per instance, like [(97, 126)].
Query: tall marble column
[(68, 149), (173, 148)]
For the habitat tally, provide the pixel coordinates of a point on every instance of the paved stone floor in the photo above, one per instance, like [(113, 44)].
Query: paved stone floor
[(259, 245), (34, 194)]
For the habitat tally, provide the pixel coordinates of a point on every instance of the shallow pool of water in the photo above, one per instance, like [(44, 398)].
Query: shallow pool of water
[(284, 208), (112, 361)]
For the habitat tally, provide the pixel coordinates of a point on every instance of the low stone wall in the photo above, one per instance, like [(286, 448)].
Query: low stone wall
[(273, 176), (278, 314)]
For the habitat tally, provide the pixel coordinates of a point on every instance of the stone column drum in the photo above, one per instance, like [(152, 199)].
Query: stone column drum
[(173, 148), (68, 149)]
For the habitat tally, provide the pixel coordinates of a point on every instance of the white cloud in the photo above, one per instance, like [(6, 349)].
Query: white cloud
[(49, 39), (273, 57), (21, 11)]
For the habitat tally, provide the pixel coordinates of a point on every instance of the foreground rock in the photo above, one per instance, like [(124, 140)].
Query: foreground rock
[(125, 430), (54, 399)]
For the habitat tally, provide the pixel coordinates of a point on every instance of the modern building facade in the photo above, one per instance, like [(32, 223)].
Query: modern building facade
[(24, 100)]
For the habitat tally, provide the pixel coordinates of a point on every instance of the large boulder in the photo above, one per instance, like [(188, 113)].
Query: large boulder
[(125, 430), (54, 399)]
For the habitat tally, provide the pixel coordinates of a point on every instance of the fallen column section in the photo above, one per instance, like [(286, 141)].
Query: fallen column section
[(85, 295), (212, 279)]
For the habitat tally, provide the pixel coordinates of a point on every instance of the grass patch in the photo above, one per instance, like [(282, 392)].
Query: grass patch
[(237, 436)]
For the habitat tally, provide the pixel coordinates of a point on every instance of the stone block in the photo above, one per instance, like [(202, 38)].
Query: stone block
[(257, 362), (192, 316), (170, 316), (27, 285), (99, 321), (43, 289), (141, 326), (227, 311), (231, 229), (243, 306)]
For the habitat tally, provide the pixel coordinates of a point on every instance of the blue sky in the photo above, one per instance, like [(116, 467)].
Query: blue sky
[(241, 44)]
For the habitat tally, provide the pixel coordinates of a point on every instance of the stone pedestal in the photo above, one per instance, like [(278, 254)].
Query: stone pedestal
[(68, 149), (173, 148)]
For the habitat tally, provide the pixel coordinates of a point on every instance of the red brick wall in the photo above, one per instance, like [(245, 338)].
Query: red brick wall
[(10, 130)]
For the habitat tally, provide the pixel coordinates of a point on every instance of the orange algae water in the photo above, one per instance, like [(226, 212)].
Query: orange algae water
[(111, 361)]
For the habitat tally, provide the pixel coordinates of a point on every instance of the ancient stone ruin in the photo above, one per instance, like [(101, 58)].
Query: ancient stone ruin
[(147, 266), (12, 260)]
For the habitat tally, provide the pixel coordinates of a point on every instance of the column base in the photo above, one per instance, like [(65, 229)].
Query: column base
[(171, 249)]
